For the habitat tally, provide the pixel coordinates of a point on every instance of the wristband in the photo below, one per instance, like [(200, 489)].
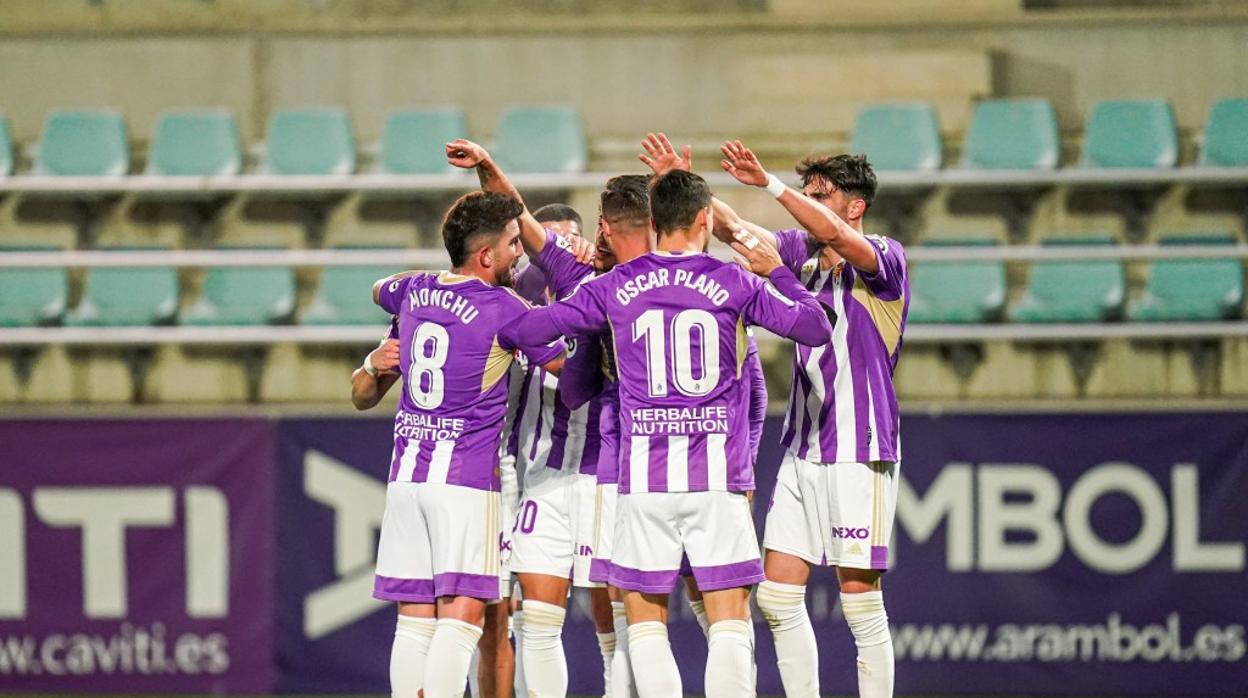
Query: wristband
[(774, 186), (368, 367)]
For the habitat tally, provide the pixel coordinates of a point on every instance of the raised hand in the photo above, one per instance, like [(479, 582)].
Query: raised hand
[(466, 154), (661, 157), (756, 255), (385, 358), (740, 162), (581, 248)]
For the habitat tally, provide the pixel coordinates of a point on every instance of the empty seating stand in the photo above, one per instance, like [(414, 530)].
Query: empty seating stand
[(244, 296), (541, 140), (412, 142), (344, 297), (1075, 291), (6, 148), (1012, 134), (1131, 133), (957, 292), (32, 297), (117, 296), (898, 137), (83, 143), (1192, 290), (310, 142), (1226, 135), (196, 143)]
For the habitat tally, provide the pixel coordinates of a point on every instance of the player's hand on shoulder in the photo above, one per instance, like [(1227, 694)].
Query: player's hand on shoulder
[(385, 358), (466, 154), (580, 248), (661, 157), (756, 256), (740, 162)]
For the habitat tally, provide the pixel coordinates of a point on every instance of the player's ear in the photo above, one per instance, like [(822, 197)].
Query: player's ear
[(857, 207)]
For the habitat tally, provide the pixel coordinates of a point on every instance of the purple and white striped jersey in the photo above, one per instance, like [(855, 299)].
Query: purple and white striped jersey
[(545, 432), (677, 324), (454, 365), (843, 407)]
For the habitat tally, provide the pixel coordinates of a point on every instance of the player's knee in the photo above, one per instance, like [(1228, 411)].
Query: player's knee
[(543, 623), (866, 617), (782, 604)]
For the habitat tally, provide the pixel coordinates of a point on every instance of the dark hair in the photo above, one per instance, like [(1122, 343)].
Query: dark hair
[(627, 198), (676, 198), (851, 174), (474, 216), (558, 212)]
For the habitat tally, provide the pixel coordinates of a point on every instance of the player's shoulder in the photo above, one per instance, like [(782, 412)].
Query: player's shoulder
[(510, 299), (886, 245)]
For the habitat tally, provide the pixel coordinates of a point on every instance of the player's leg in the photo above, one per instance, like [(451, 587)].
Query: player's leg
[(405, 576), (649, 647), (460, 624), (413, 632), (586, 513), (604, 627), (497, 662), (694, 594), (606, 498), (545, 609), (517, 634), (793, 542)]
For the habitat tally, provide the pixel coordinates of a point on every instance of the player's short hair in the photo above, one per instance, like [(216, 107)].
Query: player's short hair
[(675, 199), (851, 174), (558, 212), (626, 198), (475, 216)]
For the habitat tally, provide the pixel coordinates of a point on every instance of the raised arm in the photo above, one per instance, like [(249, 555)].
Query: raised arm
[(818, 220), (783, 306), (580, 314)]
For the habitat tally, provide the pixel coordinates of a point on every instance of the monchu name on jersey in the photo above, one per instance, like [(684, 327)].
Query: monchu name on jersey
[(445, 299)]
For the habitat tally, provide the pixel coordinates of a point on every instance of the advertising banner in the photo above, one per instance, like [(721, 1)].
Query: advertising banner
[(136, 556)]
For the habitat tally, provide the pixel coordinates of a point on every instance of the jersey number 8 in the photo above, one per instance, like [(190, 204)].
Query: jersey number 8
[(426, 383)]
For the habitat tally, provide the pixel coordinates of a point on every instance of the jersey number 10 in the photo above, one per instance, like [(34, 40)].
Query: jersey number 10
[(650, 326)]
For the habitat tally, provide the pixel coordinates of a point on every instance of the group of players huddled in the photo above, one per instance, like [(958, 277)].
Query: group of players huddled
[(619, 381)]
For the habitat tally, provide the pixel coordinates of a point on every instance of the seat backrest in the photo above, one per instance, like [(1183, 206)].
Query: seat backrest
[(1017, 134), (541, 139), (201, 142), (84, 143), (31, 297), (1131, 133), (132, 296), (6, 148), (1226, 134), (901, 136), (1077, 282), (310, 142), (412, 141), (1215, 280), (957, 291)]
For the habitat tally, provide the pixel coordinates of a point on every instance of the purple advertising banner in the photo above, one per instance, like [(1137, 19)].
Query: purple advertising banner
[(136, 555)]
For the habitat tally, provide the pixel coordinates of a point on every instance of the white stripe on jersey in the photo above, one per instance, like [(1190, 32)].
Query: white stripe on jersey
[(813, 403), (843, 386), (574, 440), (407, 463), (440, 461), (716, 462), (678, 464), (639, 464), (873, 440), (535, 408)]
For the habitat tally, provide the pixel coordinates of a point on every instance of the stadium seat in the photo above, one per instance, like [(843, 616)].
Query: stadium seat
[(1012, 134), (541, 139), (202, 143), (1091, 291), (6, 148), (30, 297), (412, 141), (1192, 289), (128, 296), (310, 142), (1130, 134), (244, 296), (957, 292), (898, 136), (1226, 134), (344, 297), (83, 143)]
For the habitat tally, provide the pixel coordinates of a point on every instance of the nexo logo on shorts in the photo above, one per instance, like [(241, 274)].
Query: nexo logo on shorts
[(844, 532)]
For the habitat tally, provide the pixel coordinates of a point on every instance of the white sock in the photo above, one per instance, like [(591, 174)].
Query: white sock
[(784, 609), (450, 653), (699, 612), (407, 656), (517, 634), (545, 668), (621, 667), (474, 675), (729, 660), (869, 623), (606, 645), (648, 647)]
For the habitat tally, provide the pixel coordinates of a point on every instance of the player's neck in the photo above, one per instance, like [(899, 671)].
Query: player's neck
[(681, 240), (473, 272), (631, 245)]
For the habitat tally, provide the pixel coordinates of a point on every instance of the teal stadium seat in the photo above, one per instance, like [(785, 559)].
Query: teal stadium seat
[(1012, 134), (31, 297), (116, 296), (1192, 290), (244, 296), (957, 292), (310, 142), (344, 297), (83, 143), (898, 136), (541, 139), (6, 148), (1226, 134), (1128, 133), (1091, 291), (202, 142), (413, 142)]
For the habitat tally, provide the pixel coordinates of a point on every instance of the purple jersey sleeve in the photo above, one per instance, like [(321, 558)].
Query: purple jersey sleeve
[(758, 396), (562, 271), (581, 377), (788, 309), (794, 247), (538, 352), (392, 293), (530, 284), (580, 314), (888, 282)]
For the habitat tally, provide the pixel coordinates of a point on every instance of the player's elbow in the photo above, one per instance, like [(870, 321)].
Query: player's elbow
[(377, 290)]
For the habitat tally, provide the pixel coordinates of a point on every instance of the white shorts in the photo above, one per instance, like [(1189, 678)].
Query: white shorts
[(837, 514), (654, 529), (438, 540), (509, 500), (605, 514), (553, 532)]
